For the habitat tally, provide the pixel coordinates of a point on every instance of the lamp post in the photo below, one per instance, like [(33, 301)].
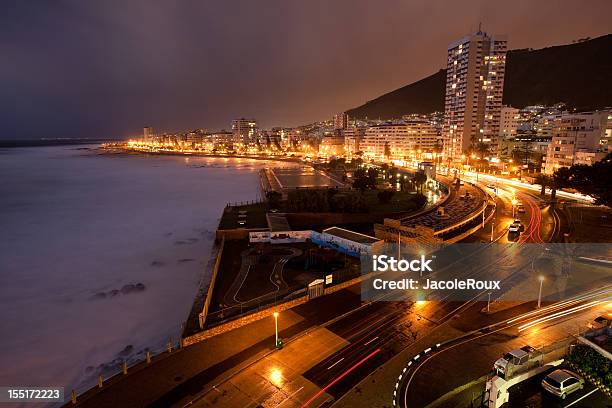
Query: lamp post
[(541, 279), (276, 328)]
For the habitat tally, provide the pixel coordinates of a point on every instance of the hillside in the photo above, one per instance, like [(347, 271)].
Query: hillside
[(578, 74)]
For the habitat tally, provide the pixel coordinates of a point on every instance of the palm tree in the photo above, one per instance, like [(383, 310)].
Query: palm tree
[(438, 150), (481, 149), (420, 179), (544, 181), (560, 179)]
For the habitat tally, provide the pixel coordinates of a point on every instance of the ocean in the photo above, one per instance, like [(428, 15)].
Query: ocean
[(101, 255)]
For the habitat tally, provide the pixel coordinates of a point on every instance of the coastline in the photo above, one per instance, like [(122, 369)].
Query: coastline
[(126, 150)]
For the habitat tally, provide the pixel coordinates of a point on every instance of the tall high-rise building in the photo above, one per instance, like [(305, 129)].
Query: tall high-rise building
[(245, 131), (340, 121), (147, 133), (474, 86)]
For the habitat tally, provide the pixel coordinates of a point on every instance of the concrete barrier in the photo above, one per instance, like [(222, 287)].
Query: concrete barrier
[(253, 317)]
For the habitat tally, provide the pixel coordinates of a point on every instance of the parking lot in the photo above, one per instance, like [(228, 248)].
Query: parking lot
[(530, 394)]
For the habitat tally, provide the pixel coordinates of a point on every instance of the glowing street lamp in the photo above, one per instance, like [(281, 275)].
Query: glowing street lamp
[(278, 343), (514, 203), (541, 279)]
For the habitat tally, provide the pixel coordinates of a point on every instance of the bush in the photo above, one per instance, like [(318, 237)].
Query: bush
[(592, 363)]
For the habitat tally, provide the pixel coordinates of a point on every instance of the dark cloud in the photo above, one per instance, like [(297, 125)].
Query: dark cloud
[(106, 68)]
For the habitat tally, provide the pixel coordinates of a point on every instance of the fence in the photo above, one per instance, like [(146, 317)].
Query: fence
[(242, 203), (114, 370), (252, 306)]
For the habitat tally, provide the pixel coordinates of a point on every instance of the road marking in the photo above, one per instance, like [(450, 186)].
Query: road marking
[(335, 363), (289, 396), (583, 397), (365, 344), (341, 376)]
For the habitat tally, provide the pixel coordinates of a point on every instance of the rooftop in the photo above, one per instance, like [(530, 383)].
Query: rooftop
[(351, 235)]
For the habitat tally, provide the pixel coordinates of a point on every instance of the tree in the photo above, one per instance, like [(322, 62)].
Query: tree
[(560, 179), (594, 180), (438, 147), (372, 176), (481, 149), (360, 179), (419, 179), (385, 169), (387, 150), (543, 180)]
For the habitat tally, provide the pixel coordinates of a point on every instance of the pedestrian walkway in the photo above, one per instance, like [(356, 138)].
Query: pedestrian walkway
[(190, 370)]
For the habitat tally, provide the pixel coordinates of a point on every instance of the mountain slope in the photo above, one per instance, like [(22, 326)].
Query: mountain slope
[(578, 74)]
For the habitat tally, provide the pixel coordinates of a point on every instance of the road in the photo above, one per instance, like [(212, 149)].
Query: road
[(471, 358)]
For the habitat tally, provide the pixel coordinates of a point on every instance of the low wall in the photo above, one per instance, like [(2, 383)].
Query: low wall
[(211, 285), (243, 321), (236, 234)]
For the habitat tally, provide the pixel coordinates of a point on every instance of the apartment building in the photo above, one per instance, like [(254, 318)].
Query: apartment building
[(474, 87), (578, 138)]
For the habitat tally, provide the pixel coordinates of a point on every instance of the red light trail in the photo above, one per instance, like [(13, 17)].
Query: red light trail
[(341, 376)]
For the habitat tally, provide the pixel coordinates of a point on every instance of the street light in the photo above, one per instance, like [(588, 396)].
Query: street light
[(276, 328), (514, 202), (541, 279)]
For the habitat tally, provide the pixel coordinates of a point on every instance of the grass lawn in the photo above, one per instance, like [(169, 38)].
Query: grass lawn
[(401, 201)]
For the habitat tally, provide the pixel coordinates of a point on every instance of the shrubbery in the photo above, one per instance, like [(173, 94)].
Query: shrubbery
[(592, 363)]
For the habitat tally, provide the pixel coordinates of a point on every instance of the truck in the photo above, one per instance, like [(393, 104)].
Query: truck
[(518, 361)]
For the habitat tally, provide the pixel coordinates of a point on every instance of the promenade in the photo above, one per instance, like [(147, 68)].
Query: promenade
[(177, 377)]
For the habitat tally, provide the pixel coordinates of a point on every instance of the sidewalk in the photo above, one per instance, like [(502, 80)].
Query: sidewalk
[(193, 368)]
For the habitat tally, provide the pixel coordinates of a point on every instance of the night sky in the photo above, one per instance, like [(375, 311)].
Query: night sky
[(106, 68)]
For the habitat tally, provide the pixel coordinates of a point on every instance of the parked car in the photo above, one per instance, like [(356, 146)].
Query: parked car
[(562, 383), (520, 208), (514, 229)]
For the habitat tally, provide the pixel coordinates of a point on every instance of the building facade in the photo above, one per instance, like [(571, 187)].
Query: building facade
[(340, 121), (399, 141), (474, 86), (508, 124), (147, 134), (577, 139), (246, 131)]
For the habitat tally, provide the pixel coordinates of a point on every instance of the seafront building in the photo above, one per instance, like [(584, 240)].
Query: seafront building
[(404, 140), (147, 134), (246, 131), (474, 86)]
